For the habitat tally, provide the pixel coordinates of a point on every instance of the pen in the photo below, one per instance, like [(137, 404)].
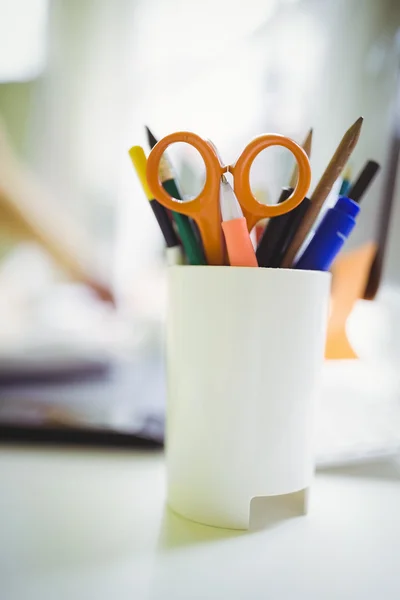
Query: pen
[(273, 233), (330, 236), (189, 241), (238, 243), (331, 173), (346, 182), (279, 233), (364, 180), (294, 220), (174, 249)]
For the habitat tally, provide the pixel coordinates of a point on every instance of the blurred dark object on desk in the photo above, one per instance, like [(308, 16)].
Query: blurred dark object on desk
[(388, 193), (357, 274), (74, 369), (122, 406)]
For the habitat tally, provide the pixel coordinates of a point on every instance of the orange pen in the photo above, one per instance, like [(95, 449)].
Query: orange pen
[(234, 225)]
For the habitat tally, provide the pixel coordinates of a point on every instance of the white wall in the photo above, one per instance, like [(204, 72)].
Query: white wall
[(226, 69)]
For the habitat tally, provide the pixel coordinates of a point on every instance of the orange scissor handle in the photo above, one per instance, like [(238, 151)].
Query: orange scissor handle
[(205, 208), (252, 209)]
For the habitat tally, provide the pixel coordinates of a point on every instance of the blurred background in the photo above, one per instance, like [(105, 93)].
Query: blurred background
[(79, 79)]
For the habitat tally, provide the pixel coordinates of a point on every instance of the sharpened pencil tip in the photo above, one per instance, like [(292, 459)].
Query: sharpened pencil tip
[(152, 141), (357, 124), (307, 145), (354, 130)]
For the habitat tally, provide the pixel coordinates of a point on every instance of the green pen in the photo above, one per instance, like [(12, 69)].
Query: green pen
[(188, 238), (190, 242)]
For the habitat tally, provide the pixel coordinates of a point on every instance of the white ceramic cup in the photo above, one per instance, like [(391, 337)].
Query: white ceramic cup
[(244, 351)]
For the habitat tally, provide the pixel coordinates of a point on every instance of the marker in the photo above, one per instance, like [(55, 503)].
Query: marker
[(330, 236), (238, 243), (174, 249), (364, 180)]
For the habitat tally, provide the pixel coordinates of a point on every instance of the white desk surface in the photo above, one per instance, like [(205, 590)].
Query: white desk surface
[(92, 525)]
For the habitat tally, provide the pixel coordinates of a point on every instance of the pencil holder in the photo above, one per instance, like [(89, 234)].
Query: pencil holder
[(244, 351)]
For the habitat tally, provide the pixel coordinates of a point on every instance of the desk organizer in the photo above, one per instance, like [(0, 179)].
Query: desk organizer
[(244, 351)]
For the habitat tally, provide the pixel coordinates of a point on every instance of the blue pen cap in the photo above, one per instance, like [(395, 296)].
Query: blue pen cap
[(348, 206), (330, 236)]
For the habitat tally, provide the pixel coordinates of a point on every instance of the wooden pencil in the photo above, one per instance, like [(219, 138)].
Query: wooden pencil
[(306, 145), (324, 186)]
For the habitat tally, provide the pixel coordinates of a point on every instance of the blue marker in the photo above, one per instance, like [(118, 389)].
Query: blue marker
[(330, 236)]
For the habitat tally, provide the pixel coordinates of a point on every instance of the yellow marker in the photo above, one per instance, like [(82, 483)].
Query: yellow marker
[(174, 249), (139, 160)]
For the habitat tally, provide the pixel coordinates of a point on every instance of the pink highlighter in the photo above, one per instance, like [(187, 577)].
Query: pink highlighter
[(238, 243)]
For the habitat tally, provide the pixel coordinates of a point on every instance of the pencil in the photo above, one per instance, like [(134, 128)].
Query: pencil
[(331, 173), (152, 141), (186, 232), (139, 162), (262, 196), (364, 180), (306, 145)]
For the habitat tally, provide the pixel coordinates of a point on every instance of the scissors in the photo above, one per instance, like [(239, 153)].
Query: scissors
[(205, 208)]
